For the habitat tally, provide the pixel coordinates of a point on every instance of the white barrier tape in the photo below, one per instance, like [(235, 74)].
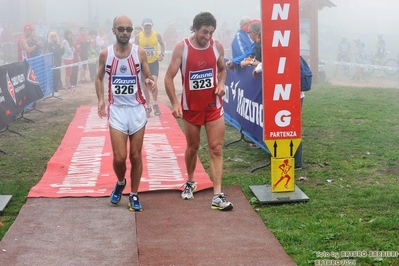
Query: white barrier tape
[(90, 61), (78, 63), (360, 65)]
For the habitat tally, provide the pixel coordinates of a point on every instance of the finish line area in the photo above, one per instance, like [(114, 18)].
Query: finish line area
[(82, 165)]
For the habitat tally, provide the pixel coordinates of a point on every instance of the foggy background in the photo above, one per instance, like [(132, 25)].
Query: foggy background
[(364, 19), (354, 18), (179, 12)]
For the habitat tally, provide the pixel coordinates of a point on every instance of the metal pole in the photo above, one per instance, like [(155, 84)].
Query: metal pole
[(314, 42)]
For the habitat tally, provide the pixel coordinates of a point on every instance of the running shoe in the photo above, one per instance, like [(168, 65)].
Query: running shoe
[(134, 204), (157, 112), (219, 202), (71, 88), (188, 191), (116, 195), (148, 111)]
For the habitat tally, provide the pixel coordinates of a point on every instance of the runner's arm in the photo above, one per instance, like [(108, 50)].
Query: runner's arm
[(26, 47), (221, 71), (99, 84), (171, 73), (162, 43), (137, 38), (148, 78)]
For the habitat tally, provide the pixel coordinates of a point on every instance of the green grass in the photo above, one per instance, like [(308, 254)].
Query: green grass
[(350, 136), (27, 155)]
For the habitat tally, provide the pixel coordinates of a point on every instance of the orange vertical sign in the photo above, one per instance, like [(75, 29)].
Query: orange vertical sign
[(281, 76)]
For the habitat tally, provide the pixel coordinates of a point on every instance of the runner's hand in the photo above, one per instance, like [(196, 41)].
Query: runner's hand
[(150, 84), (220, 90), (177, 111), (101, 110)]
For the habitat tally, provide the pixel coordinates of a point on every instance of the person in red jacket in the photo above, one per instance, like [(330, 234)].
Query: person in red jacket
[(23, 47)]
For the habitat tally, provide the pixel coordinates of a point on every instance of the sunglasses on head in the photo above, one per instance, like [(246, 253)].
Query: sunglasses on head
[(122, 29)]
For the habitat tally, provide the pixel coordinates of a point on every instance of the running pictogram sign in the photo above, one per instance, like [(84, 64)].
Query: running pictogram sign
[(281, 85)]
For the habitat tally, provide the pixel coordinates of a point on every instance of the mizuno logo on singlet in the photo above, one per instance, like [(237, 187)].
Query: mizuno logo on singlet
[(124, 81), (201, 74)]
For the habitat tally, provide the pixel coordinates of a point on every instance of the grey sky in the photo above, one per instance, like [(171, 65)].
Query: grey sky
[(364, 19), (354, 18)]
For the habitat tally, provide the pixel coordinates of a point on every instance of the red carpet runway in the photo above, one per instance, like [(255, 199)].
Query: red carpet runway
[(67, 220), (82, 165), (170, 231)]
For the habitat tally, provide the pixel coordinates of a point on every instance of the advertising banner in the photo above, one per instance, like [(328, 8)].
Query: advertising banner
[(19, 87), (243, 103)]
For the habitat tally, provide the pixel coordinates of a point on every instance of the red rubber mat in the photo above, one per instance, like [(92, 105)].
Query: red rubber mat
[(82, 165), (169, 231), (172, 231)]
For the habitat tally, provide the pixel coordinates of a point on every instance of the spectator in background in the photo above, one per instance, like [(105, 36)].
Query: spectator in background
[(107, 26), (95, 24), (254, 32), (136, 31), (227, 40), (170, 38), (92, 55), (82, 44), (344, 52), (23, 49), (41, 31), (149, 40), (380, 47), (6, 42), (220, 32), (255, 58), (75, 67), (102, 39), (380, 54), (55, 48), (361, 57), (241, 41), (92, 37), (69, 50), (32, 41)]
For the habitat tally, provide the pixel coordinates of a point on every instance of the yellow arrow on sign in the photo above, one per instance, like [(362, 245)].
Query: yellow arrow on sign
[(283, 148)]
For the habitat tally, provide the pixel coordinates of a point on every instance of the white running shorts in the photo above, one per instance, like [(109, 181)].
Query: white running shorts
[(127, 119)]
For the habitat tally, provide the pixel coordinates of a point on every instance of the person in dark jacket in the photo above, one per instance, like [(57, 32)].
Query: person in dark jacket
[(54, 47)]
